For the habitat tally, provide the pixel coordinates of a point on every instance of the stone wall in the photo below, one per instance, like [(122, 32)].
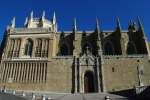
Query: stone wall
[(122, 73)]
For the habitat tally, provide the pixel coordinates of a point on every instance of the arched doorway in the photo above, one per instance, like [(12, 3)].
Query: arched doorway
[(89, 82)]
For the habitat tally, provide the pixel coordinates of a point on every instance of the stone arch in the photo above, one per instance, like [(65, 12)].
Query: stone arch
[(64, 49), (108, 48), (28, 47), (89, 82), (131, 48)]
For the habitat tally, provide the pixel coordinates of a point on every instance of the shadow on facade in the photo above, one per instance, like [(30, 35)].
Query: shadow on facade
[(133, 95)]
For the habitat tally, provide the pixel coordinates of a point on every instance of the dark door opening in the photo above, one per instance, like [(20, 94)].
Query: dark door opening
[(89, 82)]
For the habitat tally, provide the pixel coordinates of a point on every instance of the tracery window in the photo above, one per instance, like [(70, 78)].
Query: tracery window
[(108, 48), (131, 48), (64, 50)]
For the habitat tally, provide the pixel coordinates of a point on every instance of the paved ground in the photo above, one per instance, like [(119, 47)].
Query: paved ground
[(4, 96), (55, 96)]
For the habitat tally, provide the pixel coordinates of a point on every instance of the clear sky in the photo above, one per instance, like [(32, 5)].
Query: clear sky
[(84, 10)]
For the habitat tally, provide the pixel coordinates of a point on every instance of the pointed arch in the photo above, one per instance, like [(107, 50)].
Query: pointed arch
[(28, 47), (131, 48), (108, 48), (89, 82)]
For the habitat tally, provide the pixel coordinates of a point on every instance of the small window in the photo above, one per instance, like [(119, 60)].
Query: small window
[(113, 69)]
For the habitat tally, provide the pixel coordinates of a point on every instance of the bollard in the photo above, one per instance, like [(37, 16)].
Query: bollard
[(107, 98), (14, 92), (33, 96), (49, 98), (43, 97), (23, 94)]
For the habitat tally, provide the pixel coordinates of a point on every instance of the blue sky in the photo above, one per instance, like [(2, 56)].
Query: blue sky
[(84, 10)]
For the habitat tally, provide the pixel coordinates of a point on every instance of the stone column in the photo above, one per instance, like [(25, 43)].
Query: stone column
[(22, 72), (35, 67), (3, 71), (27, 73), (11, 71), (7, 49), (14, 72), (34, 47), (102, 76), (18, 66), (75, 74), (45, 78), (21, 52), (98, 74), (40, 68), (43, 71), (7, 73), (30, 69), (12, 48), (18, 47)]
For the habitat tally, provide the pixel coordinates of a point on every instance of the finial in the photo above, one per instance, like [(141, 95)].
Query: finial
[(13, 22), (97, 25), (131, 25), (43, 14), (31, 14), (26, 21), (54, 18), (118, 23), (75, 24)]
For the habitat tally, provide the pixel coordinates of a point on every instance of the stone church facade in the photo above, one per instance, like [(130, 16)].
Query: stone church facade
[(40, 58)]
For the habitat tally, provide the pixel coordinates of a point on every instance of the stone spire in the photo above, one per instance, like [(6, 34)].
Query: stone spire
[(75, 25), (26, 21), (74, 29), (97, 26), (13, 22), (140, 26), (43, 15), (31, 15), (118, 24), (97, 29), (98, 36), (54, 18)]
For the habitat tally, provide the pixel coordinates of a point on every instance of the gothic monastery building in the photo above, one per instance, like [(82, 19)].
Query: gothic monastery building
[(38, 57)]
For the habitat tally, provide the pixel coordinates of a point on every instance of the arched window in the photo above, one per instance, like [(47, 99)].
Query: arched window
[(89, 85), (64, 50), (131, 48), (108, 48), (28, 47)]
